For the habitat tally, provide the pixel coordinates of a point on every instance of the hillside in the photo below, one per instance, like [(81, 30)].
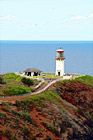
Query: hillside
[(12, 84), (64, 112)]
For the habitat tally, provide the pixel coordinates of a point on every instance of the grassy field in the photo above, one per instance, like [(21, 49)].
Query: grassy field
[(47, 75)]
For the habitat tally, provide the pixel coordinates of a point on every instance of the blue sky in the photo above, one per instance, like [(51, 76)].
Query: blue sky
[(46, 20)]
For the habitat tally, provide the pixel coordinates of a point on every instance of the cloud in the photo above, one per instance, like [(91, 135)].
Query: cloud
[(77, 18), (9, 16), (91, 15)]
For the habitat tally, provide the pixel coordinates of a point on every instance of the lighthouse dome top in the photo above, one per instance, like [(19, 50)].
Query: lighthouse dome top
[(60, 50)]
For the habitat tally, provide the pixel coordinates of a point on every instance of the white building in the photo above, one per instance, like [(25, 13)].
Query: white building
[(60, 62), (32, 72)]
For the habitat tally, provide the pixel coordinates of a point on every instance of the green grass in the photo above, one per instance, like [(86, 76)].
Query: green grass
[(82, 79), (39, 100), (27, 81), (85, 80), (51, 128), (8, 133), (26, 116), (11, 78), (48, 75), (13, 84), (2, 80), (1, 94), (2, 115), (15, 90)]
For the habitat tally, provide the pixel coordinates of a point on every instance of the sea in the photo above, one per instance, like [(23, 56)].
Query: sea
[(16, 56)]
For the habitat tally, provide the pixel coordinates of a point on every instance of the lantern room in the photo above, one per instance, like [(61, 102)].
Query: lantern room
[(60, 55)]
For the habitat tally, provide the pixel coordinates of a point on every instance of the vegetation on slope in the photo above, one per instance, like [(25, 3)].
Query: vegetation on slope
[(63, 114), (27, 81), (1, 81), (12, 78), (12, 84), (85, 80)]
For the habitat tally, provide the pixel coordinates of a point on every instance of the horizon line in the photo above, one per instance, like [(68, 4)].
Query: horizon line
[(46, 40)]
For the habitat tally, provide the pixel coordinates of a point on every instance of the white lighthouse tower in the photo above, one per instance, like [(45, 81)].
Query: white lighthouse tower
[(60, 62)]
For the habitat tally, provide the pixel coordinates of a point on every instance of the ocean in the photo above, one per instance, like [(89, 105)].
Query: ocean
[(16, 56)]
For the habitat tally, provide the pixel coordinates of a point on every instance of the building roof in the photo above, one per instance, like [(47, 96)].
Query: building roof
[(32, 70), (60, 50)]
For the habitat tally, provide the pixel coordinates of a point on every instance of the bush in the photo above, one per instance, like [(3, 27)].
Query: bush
[(2, 94), (8, 133), (27, 81), (15, 90), (26, 131), (26, 116), (1, 81), (62, 127), (12, 78), (2, 115), (51, 128)]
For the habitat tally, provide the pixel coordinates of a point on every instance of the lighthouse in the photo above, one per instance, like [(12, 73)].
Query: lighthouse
[(59, 62)]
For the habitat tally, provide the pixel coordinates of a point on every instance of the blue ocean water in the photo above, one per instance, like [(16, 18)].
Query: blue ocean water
[(19, 55)]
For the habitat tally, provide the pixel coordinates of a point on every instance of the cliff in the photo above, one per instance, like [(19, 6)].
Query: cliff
[(64, 112)]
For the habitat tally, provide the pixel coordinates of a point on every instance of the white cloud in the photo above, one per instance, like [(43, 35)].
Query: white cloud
[(9, 16), (77, 18), (91, 15)]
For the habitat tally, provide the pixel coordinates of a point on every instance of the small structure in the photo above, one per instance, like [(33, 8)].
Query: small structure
[(32, 72), (60, 62)]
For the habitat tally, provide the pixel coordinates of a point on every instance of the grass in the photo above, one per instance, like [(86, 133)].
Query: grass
[(50, 75), (26, 116), (12, 84), (1, 94), (27, 81), (85, 80), (51, 128), (39, 100), (11, 78), (9, 90), (82, 79), (2, 115), (2, 80), (47, 75), (8, 133)]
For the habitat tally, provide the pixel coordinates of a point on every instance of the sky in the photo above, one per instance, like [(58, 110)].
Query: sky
[(46, 20)]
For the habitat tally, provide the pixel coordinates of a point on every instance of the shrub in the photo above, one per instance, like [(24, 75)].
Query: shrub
[(51, 128), (27, 81), (1, 81), (18, 103), (39, 100), (8, 133), (6, 103), (2, 94), (26, 131), (2, 115), (62, 127), (15, 90), (25, 106), (12, 78), (26, 116)]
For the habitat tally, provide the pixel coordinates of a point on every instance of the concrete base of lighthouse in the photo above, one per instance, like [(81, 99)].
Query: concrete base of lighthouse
[(59, 67)]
